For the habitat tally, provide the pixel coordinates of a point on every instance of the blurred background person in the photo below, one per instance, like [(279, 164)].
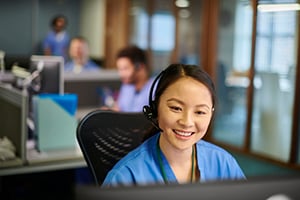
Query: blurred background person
[(135, 74), (79, 57), (56, 42)]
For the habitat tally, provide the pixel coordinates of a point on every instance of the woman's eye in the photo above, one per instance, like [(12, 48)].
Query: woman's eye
[(175, 108), (200, 112)]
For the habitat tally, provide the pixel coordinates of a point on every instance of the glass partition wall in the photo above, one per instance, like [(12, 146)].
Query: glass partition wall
[(268, 129), (232, 71), (167, 30), (153, 28), (255, 64), (274, 81)]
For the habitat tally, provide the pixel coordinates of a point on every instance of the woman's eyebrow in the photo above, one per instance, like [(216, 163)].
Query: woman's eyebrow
[(177, 100), (182, 103)]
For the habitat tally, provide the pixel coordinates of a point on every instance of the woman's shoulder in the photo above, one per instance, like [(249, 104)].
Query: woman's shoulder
[(208, 147), (216, 162)]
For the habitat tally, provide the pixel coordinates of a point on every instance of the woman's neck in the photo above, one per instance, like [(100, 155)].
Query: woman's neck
[(181, 161)]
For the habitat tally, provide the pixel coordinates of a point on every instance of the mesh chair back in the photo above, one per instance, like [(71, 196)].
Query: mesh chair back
[(106, 136)]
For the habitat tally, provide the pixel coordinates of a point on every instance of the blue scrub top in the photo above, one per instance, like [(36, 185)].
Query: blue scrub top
[(141, 166), (59, 47)]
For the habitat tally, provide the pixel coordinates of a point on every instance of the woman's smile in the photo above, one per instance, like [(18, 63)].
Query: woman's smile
[(183, 133)]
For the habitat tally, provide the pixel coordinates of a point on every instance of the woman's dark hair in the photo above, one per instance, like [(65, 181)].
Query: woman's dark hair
[(171, 74)]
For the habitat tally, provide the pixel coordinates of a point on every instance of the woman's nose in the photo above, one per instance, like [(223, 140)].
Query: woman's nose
[(186, 119)]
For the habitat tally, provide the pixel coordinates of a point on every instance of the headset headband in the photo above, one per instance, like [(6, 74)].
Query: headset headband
[(153, 86)]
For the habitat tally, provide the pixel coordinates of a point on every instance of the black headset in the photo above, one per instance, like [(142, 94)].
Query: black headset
[(150, 111)]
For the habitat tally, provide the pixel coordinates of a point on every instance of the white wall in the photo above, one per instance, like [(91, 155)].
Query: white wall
[(92, 25)]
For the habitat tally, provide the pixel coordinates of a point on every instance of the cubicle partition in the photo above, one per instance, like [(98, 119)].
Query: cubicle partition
[(92, 88), (14, 107), (13, 115), (24, 175)]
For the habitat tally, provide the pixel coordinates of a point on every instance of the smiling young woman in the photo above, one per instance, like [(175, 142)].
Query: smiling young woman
[(185, 121), (181, 109)]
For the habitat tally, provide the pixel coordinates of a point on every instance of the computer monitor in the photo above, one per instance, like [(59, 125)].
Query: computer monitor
[(51, 70), (19, 60), (13, 117), (265, 188)]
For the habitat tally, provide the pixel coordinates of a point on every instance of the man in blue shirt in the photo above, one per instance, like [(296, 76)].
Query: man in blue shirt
[(135, 73), (79, 57), (57, 40)]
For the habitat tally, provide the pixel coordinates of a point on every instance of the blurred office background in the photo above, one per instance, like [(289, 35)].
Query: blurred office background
[(249, 47)]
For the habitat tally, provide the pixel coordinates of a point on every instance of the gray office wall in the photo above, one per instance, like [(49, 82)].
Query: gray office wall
[(24, 23)]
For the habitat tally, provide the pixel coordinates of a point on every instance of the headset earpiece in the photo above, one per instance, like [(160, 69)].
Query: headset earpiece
[(148, 112)]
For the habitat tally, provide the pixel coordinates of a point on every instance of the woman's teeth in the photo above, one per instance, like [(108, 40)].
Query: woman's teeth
[(186, 134)]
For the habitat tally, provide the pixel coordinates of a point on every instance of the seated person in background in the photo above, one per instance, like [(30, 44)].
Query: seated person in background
[(135, 73), (56, 42), (79, 57), (181, 110)]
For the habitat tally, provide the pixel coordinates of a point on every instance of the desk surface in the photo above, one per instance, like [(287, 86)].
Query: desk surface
[(47, 161)]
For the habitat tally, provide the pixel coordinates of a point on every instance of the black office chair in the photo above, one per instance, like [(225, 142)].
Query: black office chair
[(106, 136)]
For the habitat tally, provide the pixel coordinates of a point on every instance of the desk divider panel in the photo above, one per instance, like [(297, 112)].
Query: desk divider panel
[(55, 122), (13, 115)]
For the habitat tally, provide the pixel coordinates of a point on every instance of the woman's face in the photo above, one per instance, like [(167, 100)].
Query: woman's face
[(184, 113)]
